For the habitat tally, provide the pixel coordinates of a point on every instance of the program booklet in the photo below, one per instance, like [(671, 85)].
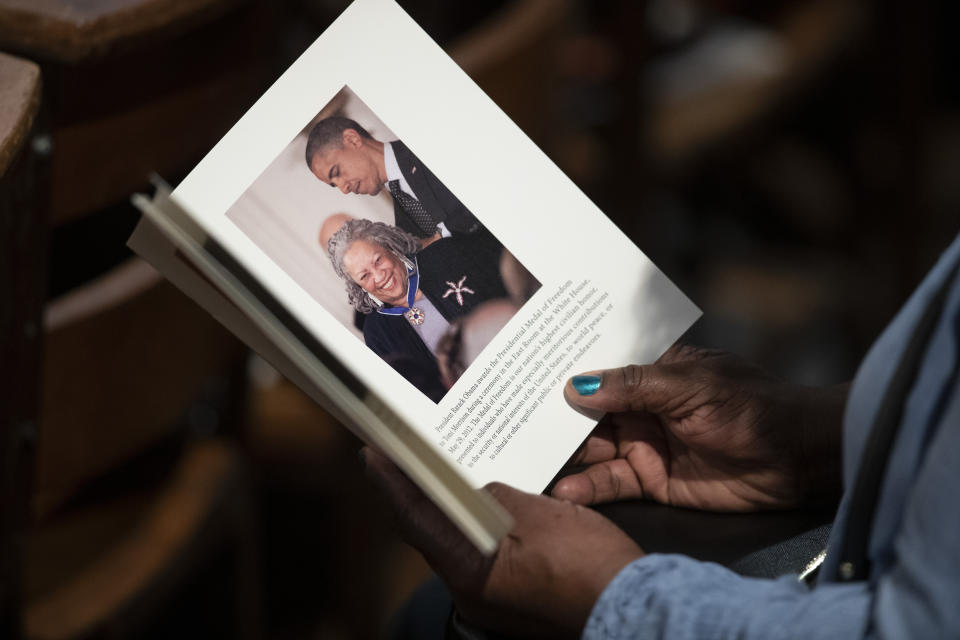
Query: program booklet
[(377, 229)]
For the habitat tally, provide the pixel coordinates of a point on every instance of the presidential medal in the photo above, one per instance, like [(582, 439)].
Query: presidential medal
[(415, 315)]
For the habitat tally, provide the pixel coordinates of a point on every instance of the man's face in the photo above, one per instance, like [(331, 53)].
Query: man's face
[(378, 270), (352, 169)]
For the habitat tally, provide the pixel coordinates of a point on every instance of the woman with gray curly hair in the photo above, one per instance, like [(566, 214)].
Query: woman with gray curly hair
[(409, 294), (394, 240)]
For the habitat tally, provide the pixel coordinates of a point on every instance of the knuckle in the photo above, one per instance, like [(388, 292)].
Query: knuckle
[(632, 376), (611, 483)]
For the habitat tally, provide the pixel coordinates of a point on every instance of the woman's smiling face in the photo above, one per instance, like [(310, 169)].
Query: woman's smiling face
[(378, 271)]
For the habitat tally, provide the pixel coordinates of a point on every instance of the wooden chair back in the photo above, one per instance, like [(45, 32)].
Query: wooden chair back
[(126, 355), (512, 57), (22, 260), (137, 86)]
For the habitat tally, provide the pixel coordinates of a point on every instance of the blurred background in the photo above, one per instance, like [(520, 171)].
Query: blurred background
[(790, 164)]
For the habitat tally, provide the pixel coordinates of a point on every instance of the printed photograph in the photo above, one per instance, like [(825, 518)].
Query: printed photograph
[(356, 219)]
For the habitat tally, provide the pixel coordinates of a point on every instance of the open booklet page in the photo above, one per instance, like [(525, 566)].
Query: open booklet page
[(168, 239), (430, 247)]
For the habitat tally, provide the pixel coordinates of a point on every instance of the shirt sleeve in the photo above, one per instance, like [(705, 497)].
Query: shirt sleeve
[(671, 596), (914, 594), (443, 231)]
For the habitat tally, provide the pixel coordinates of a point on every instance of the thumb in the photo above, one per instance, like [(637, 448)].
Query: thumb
[(651, 388), (513, 500)]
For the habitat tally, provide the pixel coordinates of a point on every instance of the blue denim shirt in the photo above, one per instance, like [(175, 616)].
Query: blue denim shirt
[(914, 547)]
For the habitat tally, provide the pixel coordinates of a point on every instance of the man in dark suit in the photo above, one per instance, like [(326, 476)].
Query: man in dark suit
[(342, 154)]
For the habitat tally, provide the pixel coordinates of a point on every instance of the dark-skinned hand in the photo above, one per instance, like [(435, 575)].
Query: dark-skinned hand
[(704, 429), (547, 573)]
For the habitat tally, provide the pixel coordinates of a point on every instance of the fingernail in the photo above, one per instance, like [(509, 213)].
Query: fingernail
[(586, 385)]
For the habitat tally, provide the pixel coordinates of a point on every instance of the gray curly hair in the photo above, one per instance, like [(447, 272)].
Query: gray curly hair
[(385, 235)]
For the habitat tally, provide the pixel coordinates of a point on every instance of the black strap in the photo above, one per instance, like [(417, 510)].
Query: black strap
[(854, 562)]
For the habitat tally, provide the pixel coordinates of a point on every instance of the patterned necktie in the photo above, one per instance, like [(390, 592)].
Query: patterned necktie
[(414, 208)]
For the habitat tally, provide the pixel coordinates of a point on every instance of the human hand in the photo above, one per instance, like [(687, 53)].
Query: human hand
[(705, 429), (547, 573), (429, 240)]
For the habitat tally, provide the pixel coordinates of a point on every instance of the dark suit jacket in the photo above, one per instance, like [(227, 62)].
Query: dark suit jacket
[(393, 339), (435, 197)]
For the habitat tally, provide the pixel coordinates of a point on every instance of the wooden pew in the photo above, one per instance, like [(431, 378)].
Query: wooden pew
[(22, 248), (134, 492), (135, 86)]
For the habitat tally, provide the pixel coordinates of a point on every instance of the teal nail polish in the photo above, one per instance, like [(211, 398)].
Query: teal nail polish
[(586, 385)]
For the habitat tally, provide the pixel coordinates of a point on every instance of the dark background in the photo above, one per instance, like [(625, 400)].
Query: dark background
[(791, 165)]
